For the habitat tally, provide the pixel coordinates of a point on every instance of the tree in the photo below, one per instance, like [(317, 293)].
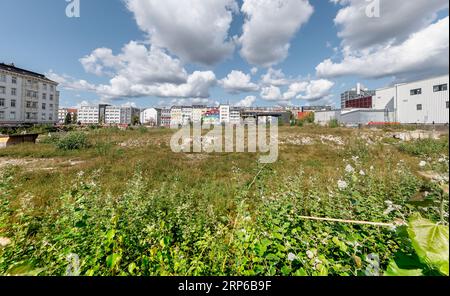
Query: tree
[(135, 120), (68, 119), (75, 118)]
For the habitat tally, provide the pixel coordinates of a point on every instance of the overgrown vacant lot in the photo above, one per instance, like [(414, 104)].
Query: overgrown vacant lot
[(121, 203)]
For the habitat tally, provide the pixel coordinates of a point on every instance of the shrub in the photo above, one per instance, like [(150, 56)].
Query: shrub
[(73, 141), (334, 123), (425, 147)]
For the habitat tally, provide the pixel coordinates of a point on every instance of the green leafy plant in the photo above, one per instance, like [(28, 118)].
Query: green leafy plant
[(431, 244), (73, 141)]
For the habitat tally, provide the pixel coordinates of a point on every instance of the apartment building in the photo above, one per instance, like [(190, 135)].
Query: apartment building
[(62, 114), (197, 113), (212, 116), (235, 115), (88, 115), (151, 117), (186, 112), (120, 115), (176, 116), (165, 117), (224, 113), (27, 97)]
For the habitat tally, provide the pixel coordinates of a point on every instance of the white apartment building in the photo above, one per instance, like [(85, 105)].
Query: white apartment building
[(27, 97), (120, 115), (423, 102), (176, 116), (62, 114), (186, 115), (165, 117), (88, 115), (151, 117), (235, 116), (198, 112), (224, 113)]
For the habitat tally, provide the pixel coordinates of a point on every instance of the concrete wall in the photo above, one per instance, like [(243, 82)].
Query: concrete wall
[(365, 116), (324, 117)]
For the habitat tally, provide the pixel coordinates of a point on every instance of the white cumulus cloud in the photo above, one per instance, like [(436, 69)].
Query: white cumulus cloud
[(194, 30), (237, 82), (423, 53), (397, 20), (269, 27), (246, 102)]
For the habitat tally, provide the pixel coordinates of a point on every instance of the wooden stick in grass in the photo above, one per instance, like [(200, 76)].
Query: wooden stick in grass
[(348, 221)]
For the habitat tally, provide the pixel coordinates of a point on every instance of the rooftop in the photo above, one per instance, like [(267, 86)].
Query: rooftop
[(14, 69)]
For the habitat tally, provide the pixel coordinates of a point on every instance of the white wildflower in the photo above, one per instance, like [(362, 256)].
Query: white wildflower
[(4, 241), (422, 164), (310, 254), (291, 257), (355, 158), (349, 169), (342, 184), (362, 173), (391, 207), (372, 168)]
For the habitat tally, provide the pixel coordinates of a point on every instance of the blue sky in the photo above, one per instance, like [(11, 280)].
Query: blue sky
[(39, 36)]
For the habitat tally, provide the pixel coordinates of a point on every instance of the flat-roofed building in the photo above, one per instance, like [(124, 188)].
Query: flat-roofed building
[(88, 115), (62, 114), (120, 115), (151, 117), (165, 117), (224, 113), (27, 97), (176, 116)]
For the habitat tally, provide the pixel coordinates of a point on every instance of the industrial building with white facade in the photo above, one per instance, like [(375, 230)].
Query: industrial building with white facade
[(419, 102)]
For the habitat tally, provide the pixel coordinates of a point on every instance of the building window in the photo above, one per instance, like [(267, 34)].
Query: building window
[(2, 102), (12, 115), (43, 106), (446, 104), (13, 91), (43, 116), (13, 103), (44, 86), (14, 80), (415, 92), (419, 107), (440, 87), (51, 97), (34, 105), (2, 115), (44, 96), (50, 117), (2, 90), (51, 88), (2, 78)]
